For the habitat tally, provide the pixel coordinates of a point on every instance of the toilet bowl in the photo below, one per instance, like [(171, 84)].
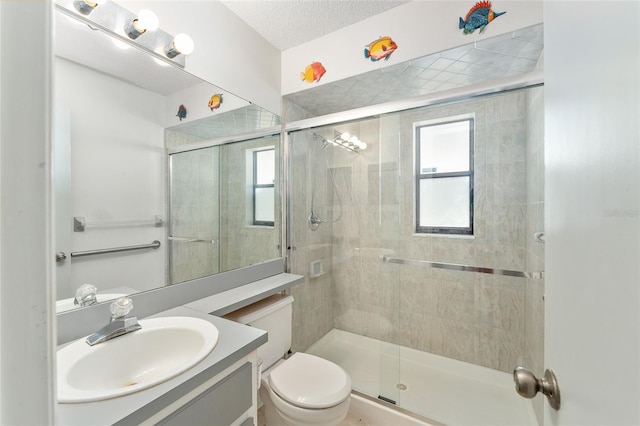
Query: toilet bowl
[(302, 389), (305, 390)]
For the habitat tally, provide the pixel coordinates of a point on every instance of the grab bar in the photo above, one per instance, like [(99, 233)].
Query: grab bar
[(154, 245), (466, 268)]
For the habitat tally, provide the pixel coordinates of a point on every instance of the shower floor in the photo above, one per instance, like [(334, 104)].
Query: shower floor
[(448, 391)]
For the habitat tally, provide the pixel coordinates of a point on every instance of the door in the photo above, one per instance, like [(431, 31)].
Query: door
[(592, 333)]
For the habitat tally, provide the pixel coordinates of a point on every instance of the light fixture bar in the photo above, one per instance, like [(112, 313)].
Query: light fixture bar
[(112, 18)]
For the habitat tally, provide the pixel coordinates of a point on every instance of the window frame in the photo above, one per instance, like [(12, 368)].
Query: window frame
[(419, 176), (256, 185)]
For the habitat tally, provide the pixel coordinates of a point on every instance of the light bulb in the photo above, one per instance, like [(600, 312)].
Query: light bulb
[(148, 20), (345, 136), (363, 145), (183, 43), (354, 140)]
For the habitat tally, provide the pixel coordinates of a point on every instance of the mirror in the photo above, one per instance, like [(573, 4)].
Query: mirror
[(117, 112)]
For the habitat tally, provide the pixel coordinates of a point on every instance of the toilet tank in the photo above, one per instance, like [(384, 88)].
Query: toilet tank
[(273, 315)]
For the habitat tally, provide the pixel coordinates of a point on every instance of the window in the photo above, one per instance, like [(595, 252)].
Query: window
[(444, 177), (263, 187)]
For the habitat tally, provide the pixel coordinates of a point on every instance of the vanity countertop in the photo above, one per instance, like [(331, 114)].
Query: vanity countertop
[(236, 341), (228, 301)]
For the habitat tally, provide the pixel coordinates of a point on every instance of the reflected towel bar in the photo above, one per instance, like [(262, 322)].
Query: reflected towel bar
[(80, 224), (466, 268), (154, 245), (192, 240)]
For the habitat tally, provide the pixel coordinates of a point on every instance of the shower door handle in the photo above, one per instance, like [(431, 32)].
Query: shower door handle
[(528, 385)]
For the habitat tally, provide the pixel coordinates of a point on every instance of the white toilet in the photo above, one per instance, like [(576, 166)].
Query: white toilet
[(303, 389)]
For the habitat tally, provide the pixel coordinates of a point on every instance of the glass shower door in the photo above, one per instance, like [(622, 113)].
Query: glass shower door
[(194, 233)]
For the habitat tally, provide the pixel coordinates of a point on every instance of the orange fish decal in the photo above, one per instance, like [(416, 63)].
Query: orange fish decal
[(382, 48), (215, 101), (313, 72)]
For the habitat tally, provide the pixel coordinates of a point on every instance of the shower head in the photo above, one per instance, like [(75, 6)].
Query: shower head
[(314, 221)]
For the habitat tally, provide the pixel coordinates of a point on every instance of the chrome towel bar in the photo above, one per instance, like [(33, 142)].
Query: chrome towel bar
[(466, 268), (80, 224), (154, 245)]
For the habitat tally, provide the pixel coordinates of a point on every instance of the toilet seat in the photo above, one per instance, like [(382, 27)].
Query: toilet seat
[(308, 381)]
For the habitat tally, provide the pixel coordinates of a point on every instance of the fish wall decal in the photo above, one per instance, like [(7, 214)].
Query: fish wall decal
[(215, 101), (381, 48), (478, 16), (182, 112), (313, 72)]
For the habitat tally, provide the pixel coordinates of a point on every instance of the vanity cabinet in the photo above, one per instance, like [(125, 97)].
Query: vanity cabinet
[(222, 404)]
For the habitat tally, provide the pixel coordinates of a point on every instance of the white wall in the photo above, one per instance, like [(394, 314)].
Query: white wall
[(419, 28), (228, 53), (592, 163), (117, 174), (26, 255)]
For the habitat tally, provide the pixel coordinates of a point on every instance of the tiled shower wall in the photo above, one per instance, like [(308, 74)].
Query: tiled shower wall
[(313, 306), (472, 317)]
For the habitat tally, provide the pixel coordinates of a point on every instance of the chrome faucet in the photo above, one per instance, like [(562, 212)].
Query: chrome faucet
[(86, 295), (120, 324)]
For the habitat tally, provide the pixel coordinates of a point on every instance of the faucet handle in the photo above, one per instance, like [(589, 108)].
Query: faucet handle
[(86, 295), (121, 307)]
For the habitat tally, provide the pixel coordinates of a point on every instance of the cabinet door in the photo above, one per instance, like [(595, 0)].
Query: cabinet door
[(220, 405)]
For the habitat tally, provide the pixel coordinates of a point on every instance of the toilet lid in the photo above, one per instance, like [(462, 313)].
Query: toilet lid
[(308, 381)]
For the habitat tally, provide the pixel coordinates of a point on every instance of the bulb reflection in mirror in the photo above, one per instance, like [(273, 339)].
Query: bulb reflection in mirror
[(120, 44), (84, 6), (160, 62), (182, 44)]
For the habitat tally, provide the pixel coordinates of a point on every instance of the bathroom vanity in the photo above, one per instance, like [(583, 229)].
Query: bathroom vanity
[(219, 390)]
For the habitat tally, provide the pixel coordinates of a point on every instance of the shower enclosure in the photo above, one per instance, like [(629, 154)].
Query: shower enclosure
[(223, 213), (422, 252)]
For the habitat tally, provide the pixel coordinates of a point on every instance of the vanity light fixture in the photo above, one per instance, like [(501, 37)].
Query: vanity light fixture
[(349, 141), (181, 44), (127, 27), (85, 6), (146, 21)]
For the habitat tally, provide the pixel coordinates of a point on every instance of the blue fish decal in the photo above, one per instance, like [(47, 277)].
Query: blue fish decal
[(478, 16), (182, 112)]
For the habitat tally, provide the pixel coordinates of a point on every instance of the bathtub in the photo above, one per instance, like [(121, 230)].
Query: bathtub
[(437, 389)]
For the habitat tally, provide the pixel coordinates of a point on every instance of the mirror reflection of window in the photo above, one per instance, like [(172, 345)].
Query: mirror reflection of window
[(263, 187)]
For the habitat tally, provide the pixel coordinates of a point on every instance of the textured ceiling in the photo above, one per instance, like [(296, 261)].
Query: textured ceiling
[(288, 23)]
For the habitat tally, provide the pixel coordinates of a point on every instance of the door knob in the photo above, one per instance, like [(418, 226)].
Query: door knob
[(60, 256), (528, 385)]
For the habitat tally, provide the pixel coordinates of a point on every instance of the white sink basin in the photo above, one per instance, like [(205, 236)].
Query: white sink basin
[(162, 349), (67, 304)]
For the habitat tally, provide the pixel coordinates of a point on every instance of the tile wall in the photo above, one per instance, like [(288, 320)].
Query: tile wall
[(313, 306)]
